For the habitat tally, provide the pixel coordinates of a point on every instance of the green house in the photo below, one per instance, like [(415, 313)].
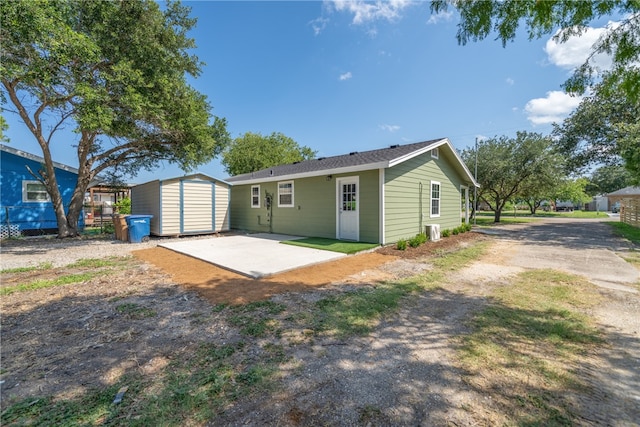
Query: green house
[(377, 196)]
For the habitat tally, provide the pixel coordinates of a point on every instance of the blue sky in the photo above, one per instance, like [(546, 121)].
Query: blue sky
[(356, 76)]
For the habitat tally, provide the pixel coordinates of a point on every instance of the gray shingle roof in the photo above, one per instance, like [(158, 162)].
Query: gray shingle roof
[(372, 158)]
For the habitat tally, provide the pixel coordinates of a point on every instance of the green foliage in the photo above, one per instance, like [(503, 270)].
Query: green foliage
[(607, 179), (455, 231), (253, 152), (445, 233), (123, 206), (507, 165), (402, 244), (628, 144), (417, 240), (603, 129), (573, 191), (479, 19), (117, 72)]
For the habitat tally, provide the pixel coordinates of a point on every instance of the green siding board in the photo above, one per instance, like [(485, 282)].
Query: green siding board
[(314, 211), (403, 200)]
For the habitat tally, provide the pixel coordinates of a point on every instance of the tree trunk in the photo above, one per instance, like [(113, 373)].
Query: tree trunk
[(496, 216)]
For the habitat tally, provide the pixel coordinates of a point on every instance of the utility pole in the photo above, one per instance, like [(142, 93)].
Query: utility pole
[(475, 187)]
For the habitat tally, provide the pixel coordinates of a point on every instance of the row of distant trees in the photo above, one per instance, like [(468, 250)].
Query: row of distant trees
[(116, 72), (531, 169)]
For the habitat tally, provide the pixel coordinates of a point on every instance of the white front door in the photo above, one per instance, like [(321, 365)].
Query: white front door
[(348, 208)]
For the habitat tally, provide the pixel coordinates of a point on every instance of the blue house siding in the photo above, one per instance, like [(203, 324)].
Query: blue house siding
[(29, 215)]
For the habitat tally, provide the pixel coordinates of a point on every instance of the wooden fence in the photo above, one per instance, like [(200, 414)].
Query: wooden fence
[(630, 211)]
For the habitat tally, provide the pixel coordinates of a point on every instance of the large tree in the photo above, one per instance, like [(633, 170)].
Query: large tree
[(602, 130), (506, 165), (253, 152), (607, 179), (540, 187), (564, 19), (114, 71)]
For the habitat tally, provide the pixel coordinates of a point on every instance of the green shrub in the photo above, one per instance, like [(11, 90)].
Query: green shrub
[(467, 227), (456, 231), (417, 240), (446, 232), (123, 206), (402, 244)]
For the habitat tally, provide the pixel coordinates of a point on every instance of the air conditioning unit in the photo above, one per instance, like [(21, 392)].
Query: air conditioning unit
[(433, 232)]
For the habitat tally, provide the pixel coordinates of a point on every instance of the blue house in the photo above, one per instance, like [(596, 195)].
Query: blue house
[(25, 205)]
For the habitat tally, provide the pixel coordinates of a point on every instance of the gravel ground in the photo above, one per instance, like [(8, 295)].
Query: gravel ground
[(32, 251)]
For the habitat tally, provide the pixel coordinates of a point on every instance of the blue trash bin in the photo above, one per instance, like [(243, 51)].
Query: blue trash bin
[(139, 228)]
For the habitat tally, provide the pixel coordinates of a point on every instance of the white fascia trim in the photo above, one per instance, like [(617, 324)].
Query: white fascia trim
[(444, 141), (416, 153), (335, 171)]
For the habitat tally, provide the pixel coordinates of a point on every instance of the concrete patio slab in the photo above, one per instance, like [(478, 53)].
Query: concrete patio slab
[(254, 255)]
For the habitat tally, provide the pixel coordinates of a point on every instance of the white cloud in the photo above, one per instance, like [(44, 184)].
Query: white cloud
[(575, 51), (364, 12), (389, 128), (345, 76), (318, 25), (510, 81), (445, 16), (553, 108)]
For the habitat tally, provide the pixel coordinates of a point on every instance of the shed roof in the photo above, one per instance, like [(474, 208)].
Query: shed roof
[(197, 175), (352, 162)]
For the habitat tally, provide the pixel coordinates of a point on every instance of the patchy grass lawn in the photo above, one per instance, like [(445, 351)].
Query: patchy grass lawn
[(523, 347), (627, 231), (332, 245)]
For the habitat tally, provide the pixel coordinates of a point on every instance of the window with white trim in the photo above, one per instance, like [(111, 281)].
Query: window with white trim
[(255, 196), (34, 191), (285, 194), (435, 199), (435, 153)]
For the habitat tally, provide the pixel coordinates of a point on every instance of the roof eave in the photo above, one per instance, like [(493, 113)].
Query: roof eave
[(334, 171)]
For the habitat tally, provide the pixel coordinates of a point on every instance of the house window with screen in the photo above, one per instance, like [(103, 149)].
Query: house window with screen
[(285, 194), (255, 196), (34, 191), (435, 199), (435, 153)]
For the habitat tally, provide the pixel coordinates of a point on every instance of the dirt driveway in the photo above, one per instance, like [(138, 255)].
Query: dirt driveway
[(66, 340)]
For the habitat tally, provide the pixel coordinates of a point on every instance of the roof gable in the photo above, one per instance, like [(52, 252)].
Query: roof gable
[(352, 162)]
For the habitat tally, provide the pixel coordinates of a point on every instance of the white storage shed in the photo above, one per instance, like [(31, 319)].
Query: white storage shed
[(192, 204)]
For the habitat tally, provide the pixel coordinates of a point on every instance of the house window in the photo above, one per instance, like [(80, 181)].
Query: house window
[(285, 194), (435, 199), (255, 196), (34, 191), (435, 153)]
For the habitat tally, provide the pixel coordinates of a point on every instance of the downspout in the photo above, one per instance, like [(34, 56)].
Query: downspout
[(420, 207)]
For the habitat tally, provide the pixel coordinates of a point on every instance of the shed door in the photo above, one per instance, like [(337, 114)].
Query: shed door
[(196, 207), (348, 208)]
